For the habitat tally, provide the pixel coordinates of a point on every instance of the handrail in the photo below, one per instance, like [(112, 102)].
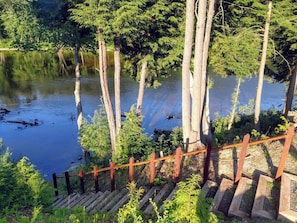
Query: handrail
[(177, 156)]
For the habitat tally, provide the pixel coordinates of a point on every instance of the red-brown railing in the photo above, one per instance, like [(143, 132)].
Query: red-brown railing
[(177, 163)]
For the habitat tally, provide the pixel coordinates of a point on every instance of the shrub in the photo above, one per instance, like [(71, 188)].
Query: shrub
[(95, 137), (21, 186), (132, 141)]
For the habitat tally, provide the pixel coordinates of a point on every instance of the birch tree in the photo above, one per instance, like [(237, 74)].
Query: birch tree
[(193, 134)]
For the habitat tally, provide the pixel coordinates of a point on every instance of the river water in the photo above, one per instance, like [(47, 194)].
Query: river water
[(52, 146)]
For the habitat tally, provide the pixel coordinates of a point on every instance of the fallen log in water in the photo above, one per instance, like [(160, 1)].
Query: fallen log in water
[(25, 123)]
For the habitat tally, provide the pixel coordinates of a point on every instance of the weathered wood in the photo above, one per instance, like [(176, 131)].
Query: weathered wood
[(131, 169), (81, 179), (54, 176), (152, 169), (177, 162), (285, 152), (68, 186), (207, 163), (245, 143), (112, 176), (95, 172)]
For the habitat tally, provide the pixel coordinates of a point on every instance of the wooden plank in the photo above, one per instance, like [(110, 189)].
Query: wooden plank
[(285, 152), (242, 188), (245, 143), (114, 200), (157, 199), (224, 187), (264, 188), (285, 212)]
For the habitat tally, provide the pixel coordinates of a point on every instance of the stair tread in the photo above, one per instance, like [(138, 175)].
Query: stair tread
[(265, 204), (157, 199), (115, 199), (92, 204), (98, 205), (223, 196), (243, 198), (287, 206)]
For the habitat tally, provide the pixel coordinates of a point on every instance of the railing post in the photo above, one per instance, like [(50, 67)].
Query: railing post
[(152, 169), (95, 171), (177, 161), (131, 169), (245, 143), (207, 163), (285, 152), (55, 184), (81, 178), (67, 183), (112, 176)]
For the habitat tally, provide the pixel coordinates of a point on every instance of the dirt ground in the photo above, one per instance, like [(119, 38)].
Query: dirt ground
[(260, 159)]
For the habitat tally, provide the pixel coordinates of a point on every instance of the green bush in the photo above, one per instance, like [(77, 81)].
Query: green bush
[(22, 187), (168, 141), (95, 137), (132, 141), (272, 123)]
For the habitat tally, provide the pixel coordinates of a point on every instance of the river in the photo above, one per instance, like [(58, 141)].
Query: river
[(52, 146)]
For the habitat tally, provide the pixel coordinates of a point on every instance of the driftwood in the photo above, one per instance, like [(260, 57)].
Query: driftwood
[(25, 123)]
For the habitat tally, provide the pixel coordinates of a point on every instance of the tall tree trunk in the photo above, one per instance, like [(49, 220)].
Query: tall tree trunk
[(290, 92), (186, 99), (262, 68), (105, 94), (206, 133), (235, 103), (77, 97), (198, 98), (78, 103), (117, 84), (141, 88)]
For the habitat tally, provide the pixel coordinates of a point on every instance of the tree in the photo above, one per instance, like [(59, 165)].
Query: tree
[(202, 38), (235, 53), (96, 15), (186, 105), (284, 32), (262, 67), (150, 35), (20, 23)]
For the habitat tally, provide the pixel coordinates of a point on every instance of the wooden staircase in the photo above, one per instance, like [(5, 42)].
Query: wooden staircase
[(262, 199)]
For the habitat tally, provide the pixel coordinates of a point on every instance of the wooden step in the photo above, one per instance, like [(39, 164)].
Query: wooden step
[(158, 198), (288, 198), (90, 205), (170, 197), (223, 196), (266, 199), (120, 203), (114, 200), (243, 198), (99, 205), (147, 196), (209, 189), (66, 201)]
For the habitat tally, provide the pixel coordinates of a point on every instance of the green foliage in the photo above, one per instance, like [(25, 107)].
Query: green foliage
[(168, 141), (132, 141), (130, 212), (20, 23), (272, 123), (94, 136), (188, 204), (22, 187), (236, 54)]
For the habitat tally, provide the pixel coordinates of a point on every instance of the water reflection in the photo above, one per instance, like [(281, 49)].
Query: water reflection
[(34, 91)]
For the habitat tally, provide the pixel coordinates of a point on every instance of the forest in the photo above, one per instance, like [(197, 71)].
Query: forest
[(149, 38)]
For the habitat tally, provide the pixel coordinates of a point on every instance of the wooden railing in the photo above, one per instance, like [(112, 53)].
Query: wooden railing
[(177, 157)]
